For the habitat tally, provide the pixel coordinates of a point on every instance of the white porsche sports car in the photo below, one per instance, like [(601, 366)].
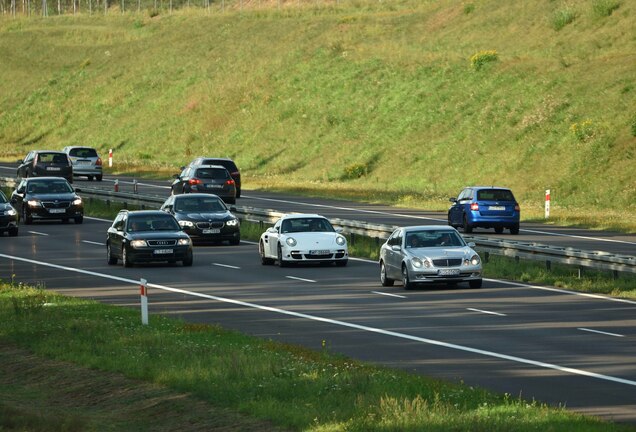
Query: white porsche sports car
[(303, 238)]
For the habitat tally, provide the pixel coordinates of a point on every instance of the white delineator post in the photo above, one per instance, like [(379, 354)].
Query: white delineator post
[(110, 158), (116, 185), (547, 203), (143, 287)]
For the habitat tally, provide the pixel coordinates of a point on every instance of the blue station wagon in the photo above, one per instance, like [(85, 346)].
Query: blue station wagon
[(485, 207)]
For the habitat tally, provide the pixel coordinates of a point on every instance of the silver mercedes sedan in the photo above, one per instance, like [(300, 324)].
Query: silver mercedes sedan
[(429, 254)]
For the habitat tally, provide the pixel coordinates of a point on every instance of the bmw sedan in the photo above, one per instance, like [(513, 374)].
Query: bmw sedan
[(47, 198), (213, 179), (147, 236), (204, 217), (429, 254), (8, 217), (303, 238), (485, 207)]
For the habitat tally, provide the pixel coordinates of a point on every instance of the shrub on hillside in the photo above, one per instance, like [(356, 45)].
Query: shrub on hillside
[(562, 17), (583, 131), (634, 126), (479, 59), (604, 8), (469, 8), (355, 171)]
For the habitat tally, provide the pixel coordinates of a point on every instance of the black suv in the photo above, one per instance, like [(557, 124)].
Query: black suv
[(46, 163), (224, 162), (47, 198), (146, 236)]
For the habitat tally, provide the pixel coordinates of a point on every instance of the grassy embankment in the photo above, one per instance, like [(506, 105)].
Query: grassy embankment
[(108, 372), (376, 101)]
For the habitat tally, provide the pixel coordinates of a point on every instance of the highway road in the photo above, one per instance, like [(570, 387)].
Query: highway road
[(539, 343)]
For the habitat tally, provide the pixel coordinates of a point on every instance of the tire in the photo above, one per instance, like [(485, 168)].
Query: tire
[(90, 178), (28, 219), (341, 263), (99, 177), (449, 221), (64, 220), (408, 285), (238, 193), (13, 232), (499, 229), (189, 259), (514, 230), (79, 219), (125, 260), (385, 281), (109, 255), (261, 252), (475, 283), (468, 228), (281, 262)]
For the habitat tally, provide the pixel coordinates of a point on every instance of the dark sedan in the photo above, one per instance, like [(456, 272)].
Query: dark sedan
[(44, 163), (147, 236), (204, 217), (8, 217), (47, 198), (212, 179)]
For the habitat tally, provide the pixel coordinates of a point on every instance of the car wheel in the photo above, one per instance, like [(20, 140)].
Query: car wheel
[(79, 219), (499, 229), (189, 259), (13, 232), (449, 220), (28, 219), (109, 255), (238, 193), (406, 281), (99, 178), (281, 262), (475, 283), (125, 259), (341, 263), (261, 252), (468, 228), (385, 281), (64, 220), (90, 178), (514, 230)]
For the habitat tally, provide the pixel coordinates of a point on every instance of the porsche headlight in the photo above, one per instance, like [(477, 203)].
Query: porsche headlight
[(185, 223), (291, 241), (77, 201), (341, 241), (232, 222), (138, 243), (184, 242), (34, 203)]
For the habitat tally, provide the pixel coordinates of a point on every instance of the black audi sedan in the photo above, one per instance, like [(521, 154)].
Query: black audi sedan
[(147, 236), (204, 217), (8, 217), (47, 198)]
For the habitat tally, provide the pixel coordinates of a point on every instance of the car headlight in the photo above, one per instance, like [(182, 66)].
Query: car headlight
[(77, 201), (291, 241), (34, 203), (185, 223), (417, 263), (11, 212), (232, 222), (138, 243), (474, 260), (183, 242), (341, 241)]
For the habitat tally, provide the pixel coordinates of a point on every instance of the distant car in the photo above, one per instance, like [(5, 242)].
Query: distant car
[(224, 162), (213, 179), (86, 162), (204, 217), (8, 217), (485, 207), (147, 236), (429, 254), (44, 163), (303, 238), (47, 198)]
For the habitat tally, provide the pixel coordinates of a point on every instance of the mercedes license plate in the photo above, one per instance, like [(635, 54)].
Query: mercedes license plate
[(57, 210), (163, 251), (448, 272), (498, 208), (211, 231), (319, 252)]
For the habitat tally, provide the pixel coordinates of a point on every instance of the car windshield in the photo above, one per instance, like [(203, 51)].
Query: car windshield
[(3, 198), (212, 173), (306, 225), (83, 152), (495, 195), (190, 204), (433, 238), (45, 187), (52, 158), (152, 223)]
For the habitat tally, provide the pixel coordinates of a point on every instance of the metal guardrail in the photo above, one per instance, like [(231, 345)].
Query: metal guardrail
[(516, 249)]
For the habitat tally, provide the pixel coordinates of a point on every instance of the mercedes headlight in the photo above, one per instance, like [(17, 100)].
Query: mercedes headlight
[(183, 242), (474, 260), (34, 203), (185, 223), (232, 222), (341, 241), (417, 263), (138, 243), (291, 241), (77, 201)]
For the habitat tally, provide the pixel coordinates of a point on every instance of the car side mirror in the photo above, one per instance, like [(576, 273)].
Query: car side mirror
[(338, 230), (182, 168), (20, 161), (471, 244), (396, 248), (452, 199), (233, 208), (175, 176), (77, 190), (272, 230)]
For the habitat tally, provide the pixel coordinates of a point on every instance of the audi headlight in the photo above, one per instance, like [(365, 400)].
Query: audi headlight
[(291, 241), (11, 212), (183, 242), (184, 223), (34, 203), (232, 222), (341, 241), (138, 243)]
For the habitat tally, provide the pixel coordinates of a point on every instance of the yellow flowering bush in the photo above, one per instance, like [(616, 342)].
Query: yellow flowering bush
[(482, 57), (583, 131)]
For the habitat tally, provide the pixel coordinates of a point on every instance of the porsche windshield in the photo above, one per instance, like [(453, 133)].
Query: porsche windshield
[(306, 225)]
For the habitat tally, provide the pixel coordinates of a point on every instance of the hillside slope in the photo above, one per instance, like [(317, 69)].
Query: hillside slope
[(381, 98)]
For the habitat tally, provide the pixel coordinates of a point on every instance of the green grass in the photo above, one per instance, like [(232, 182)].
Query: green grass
[(372, 99), (287, 385)]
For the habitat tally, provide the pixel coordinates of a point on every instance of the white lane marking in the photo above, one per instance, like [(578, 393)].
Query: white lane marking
[(94, 243), (600, 332), (225, 265), (486, 312), (388, 294), (98, 219), (300, 279), (429, 218), (341, 323), (37, 233)]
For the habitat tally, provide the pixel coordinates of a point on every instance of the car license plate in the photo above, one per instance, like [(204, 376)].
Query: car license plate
[(213, 186), (319, 252), (57, 210), (448, 272), (498, 208), (211, 231), (163, 251), (50, 168), (83, 162)]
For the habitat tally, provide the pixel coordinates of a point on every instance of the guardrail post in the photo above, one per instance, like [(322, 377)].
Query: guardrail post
[(143, 288), (353, 239), (116, 185), (134, 185), (486, 257), (580, 271), (548, 265)]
